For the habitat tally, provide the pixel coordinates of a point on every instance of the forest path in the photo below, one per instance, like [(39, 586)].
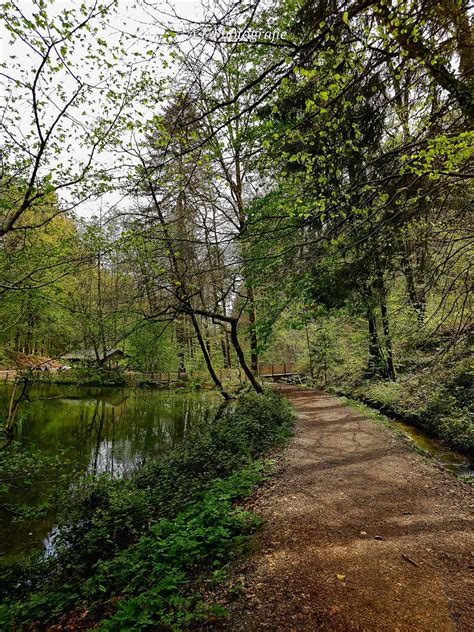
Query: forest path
[(361, 533)]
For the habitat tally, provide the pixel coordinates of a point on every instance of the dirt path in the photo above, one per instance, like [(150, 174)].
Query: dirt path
[(361, 533)]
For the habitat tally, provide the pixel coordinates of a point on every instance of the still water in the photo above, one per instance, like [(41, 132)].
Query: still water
[(453, 461), (94, 430)]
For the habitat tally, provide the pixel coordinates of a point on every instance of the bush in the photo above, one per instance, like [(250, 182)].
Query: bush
[(90, 376), (135, 546), (450, 419), (443, 410)]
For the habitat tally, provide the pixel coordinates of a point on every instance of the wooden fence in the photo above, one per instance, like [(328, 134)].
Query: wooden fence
[(174, 377), (7, 376), (276, 370), (10, 375)]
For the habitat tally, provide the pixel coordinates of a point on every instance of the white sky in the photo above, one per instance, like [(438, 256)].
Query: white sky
[(129, 18)]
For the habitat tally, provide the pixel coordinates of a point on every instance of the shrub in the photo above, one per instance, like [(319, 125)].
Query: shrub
[(142, 541)]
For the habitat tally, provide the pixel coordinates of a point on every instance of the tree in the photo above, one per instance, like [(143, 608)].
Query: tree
[(53, 84)]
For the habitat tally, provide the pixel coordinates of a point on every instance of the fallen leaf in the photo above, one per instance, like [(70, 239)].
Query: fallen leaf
[(341, 578)]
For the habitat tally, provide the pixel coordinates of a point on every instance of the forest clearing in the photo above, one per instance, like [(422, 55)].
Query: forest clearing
[(236, 378)]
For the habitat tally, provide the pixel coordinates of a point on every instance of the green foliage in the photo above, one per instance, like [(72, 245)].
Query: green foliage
[(451, 418), (25, 482), (433, 391), (35, 269), (90, 376), (155, 573), (144, 540), (151, 348), (441, 406)]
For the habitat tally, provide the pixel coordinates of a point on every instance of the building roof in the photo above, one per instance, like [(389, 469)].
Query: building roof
[(90, 354)]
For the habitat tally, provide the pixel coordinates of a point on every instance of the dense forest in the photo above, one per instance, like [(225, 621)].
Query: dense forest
[(281, 182), (302, 200)]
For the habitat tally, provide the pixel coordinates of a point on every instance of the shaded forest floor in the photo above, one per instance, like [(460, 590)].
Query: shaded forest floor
[(361, 533)]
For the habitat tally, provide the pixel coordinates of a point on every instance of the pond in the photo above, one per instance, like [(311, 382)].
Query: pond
[(93, 430)]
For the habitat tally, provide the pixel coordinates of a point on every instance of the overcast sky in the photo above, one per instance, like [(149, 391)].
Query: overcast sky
[(130, 19)]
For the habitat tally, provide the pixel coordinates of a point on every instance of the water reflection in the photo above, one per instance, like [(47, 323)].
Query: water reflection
[(97, 430)]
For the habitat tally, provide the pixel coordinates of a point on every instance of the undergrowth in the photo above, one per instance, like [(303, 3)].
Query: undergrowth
[(443, 410), (88, 376), (130, 553)]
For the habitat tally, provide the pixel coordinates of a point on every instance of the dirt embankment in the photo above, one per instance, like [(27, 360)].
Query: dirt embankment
[(361, 533)]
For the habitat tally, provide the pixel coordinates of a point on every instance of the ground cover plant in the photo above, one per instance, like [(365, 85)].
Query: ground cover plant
[(129, 551)]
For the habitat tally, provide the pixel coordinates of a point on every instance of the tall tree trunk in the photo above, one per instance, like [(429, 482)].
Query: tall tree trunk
[(386, 327), (225, 350), (310, 355), (100, 311), (238, 187), (253, 332), (207, 357), (229, 355), (387, 338), (207, 336), (415, 296), (375, 359), (240, 354), (180, 329)]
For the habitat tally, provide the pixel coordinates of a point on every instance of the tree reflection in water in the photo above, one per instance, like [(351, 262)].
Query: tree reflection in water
[(97, 431)]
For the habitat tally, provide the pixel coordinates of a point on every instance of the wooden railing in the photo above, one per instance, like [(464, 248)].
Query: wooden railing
[(270, 370), (170, 377), (7, 376), (166, 377), (264, 370)]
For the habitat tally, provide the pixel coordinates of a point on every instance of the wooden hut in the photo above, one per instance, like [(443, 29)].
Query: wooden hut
[(90, 356)]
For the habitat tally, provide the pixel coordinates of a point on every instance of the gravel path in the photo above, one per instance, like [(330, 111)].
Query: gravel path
[(361, 533)]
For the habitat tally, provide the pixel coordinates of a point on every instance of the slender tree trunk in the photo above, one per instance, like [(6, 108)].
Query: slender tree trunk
[(181, 344), (253, 333), (239, 198), (310, 355), (208, 336), (207, 358), (224, 351), (229, 355), (100, 305), (386, 325), (190, 345), (415, 296), (388, 340), (374, 349), (243, 363)]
